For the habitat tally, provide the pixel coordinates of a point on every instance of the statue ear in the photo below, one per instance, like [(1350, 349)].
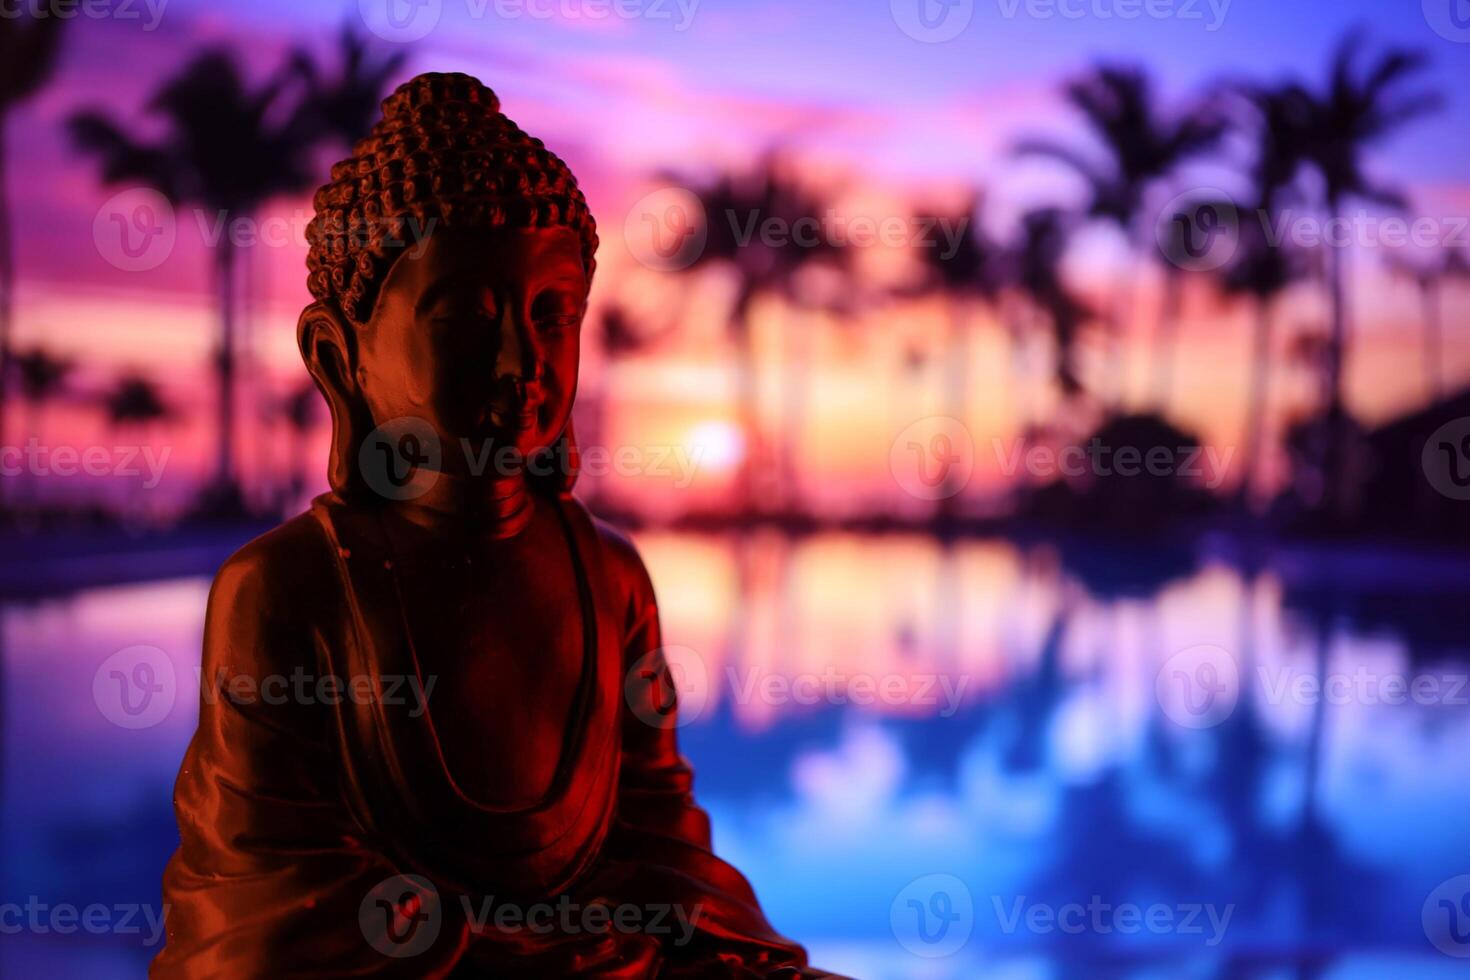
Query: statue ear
[(329, 347)]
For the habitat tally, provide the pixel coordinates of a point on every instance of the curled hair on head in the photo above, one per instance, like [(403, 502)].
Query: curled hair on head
[(442, 156)]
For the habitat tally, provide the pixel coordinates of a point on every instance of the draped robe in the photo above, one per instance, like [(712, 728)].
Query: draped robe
[(297, 818)]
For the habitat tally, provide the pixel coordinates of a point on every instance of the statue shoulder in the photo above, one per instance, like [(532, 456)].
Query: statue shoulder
[(631, 587), (267, 596)]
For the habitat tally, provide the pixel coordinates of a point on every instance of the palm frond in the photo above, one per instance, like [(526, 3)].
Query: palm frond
[(28, 51)]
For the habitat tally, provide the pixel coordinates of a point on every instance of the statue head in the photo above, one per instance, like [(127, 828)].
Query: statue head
[(450, 258)]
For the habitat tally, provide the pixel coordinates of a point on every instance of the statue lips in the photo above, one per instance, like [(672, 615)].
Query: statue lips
[(518, 413), (516, 406)]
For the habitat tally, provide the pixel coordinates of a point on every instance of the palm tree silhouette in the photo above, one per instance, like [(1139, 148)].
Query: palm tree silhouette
[(28, 46), (1360, 107), (1429, 276), (228, 149), (134, 402), (344, 105), (1036, 258), (1179, 248), (42, 377), (623, 336), (1142, 146), (1261, 269), (737, 208), (337, 109), (970, 274)]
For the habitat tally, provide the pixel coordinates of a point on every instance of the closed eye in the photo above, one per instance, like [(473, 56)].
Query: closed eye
[(556, 309)]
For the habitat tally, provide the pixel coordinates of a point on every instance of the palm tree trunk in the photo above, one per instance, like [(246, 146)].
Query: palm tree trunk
[(956, 392), (1336, 461), (224, 272), (1124, 303), (31, 429), (1167, 341), (747, 402), (1013, 376), (1316, 732), (1256, 409), (7, 285), (1337, 346), (797, 374), (1429, 295)]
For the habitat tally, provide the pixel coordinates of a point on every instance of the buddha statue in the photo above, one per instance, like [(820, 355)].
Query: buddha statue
[(336, 829)]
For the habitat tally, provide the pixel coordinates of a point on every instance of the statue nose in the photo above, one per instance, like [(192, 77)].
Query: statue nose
[(520, 388), (518, 359)]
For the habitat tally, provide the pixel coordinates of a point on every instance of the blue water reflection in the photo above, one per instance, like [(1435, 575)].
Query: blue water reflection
[(913, 748)]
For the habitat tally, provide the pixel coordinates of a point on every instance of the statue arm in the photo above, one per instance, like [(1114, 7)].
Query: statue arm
[(271, 872), (659, 826)]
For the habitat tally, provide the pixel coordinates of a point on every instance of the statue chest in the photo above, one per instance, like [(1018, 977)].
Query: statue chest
[(499, 636)]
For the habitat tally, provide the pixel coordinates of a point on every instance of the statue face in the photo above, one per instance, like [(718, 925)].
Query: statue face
[(478, 333)]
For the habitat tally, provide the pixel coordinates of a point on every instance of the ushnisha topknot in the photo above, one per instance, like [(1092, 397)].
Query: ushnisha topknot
[(442, 156)]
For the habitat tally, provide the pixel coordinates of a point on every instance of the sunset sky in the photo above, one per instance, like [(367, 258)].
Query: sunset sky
[(880, 119)]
